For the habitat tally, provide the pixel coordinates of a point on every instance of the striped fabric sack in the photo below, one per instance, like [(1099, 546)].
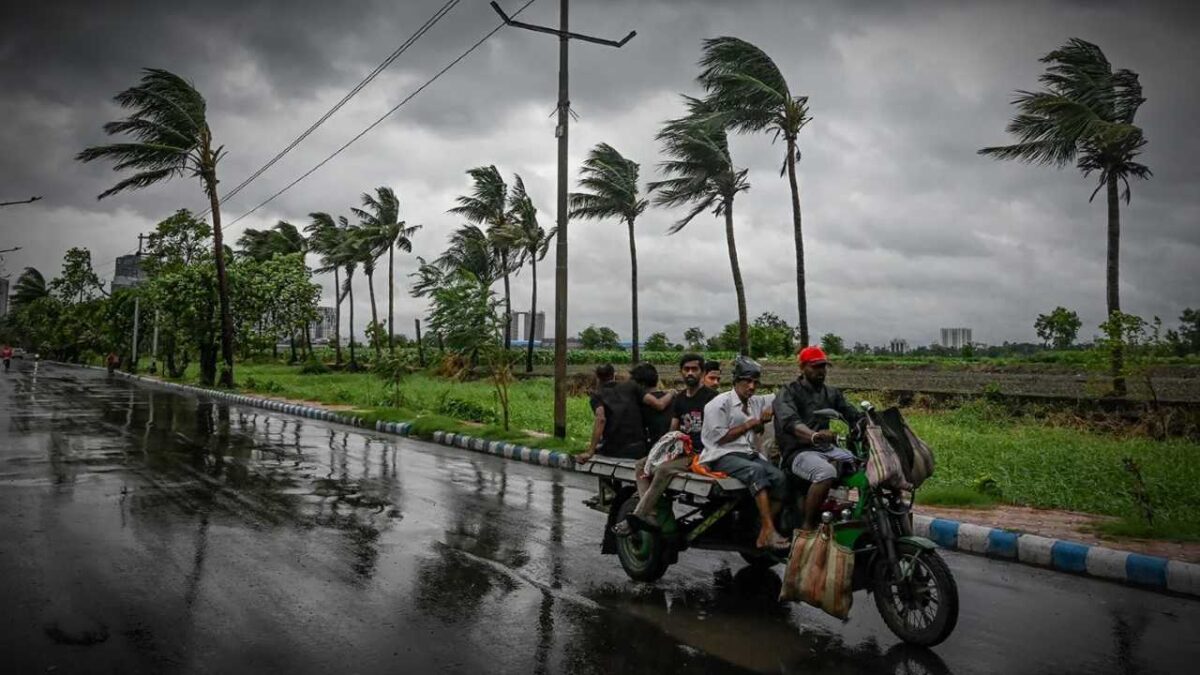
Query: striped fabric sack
[(884, 468), (820, 572)]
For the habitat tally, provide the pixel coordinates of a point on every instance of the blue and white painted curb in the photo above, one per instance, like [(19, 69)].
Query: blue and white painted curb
[(521, 453), (1135, 569), (1064, 556)]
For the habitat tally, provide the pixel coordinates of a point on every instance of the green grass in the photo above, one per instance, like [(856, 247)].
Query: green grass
[(1019, 460), (1185, 529), (959, 496)]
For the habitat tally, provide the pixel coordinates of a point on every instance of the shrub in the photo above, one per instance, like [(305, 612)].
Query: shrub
[(313, 366)]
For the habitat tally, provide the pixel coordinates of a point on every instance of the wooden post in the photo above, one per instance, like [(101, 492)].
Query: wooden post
[(420, 345)]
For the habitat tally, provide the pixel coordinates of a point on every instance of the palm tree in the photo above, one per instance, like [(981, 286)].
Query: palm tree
[(325, 238), (380, 217), (746, 86), (360, 243), (262, 245), (701, 173), (29, 287), (611, 182), (488, 205), (1084, 115), (172, 138), (527, 237), (348, 255)]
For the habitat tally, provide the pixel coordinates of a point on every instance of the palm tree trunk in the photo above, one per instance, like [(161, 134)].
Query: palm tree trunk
[(374, 314), (507, 304), (391, 305), (801, 295), (633, 285), (337, 318), (532, 316), (210, 180), (743, 327), (350, 292), (1113, 274)]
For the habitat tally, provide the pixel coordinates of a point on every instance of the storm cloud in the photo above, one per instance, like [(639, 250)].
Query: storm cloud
[(907, 228)]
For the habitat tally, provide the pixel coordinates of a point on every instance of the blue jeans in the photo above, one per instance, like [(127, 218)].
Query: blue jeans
[(757, 473)]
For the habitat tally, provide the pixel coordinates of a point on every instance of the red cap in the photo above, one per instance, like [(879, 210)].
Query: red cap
[(812, 356)]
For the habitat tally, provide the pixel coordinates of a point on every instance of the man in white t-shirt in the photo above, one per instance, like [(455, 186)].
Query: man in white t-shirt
[(732, 421)]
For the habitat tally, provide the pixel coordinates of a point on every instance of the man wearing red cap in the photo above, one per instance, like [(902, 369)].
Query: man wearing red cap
[(805, 442)]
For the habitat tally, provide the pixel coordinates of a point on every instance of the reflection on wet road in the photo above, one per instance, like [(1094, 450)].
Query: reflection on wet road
[(148, 531)]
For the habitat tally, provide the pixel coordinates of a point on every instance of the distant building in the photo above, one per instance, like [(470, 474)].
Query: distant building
[(518, 329), (321, 328), (956, 338), (128, 272), (3, 297), (898, 346)]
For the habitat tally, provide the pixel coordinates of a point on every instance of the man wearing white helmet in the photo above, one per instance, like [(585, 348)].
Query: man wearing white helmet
[(732, 422)]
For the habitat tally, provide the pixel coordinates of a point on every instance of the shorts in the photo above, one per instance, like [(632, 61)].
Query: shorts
[(757, 473), (814, 466)]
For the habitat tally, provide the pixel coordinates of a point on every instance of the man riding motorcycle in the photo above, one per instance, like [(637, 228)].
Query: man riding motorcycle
[(805, 441)]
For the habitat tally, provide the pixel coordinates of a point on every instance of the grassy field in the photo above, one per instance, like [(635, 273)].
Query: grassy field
[(984, 455)]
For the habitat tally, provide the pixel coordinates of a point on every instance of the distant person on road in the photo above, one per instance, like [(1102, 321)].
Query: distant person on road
[(111, 362), (805, 442), (732, 421), (618, 429), (686, 416), (712, 375), (6, 354)]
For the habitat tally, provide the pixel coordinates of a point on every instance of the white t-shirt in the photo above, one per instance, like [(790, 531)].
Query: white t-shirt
[(722, 414)]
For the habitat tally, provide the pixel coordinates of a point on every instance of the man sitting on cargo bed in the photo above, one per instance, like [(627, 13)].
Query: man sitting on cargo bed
[(732, 420), (618, 429)]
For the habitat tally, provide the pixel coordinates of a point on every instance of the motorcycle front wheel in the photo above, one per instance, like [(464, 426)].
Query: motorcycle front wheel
[(643, 554), (921, 606)]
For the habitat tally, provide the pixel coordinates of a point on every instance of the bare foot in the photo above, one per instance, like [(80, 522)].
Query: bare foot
[(771, 540)]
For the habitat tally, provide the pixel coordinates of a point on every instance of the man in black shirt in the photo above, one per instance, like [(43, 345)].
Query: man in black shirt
[(805, 442), (688, 405), (687, 413), (618, 430), (657, 422)]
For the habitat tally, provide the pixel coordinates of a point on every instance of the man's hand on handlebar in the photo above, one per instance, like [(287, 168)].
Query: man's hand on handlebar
[(824, 438)]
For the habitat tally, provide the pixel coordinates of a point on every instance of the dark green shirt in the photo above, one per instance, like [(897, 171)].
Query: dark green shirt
[(796, 403)]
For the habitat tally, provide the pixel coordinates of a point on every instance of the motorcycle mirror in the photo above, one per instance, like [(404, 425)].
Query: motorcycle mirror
[(866, 405)]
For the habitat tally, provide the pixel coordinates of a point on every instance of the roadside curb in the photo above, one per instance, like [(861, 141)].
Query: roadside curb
[(1060, 555), (513, 451)]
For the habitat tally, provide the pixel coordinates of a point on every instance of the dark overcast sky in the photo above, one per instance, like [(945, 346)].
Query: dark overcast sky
[(907, 229)]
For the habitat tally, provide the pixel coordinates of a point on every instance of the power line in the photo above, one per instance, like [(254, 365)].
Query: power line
[(424, 28), (377, 122)]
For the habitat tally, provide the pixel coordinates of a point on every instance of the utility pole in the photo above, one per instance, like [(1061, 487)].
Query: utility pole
[(560, 257), (20, 201), (137, 275)]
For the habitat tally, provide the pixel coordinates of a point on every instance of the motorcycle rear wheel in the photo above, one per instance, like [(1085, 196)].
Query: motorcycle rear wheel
[(922, 608), (643, 554)]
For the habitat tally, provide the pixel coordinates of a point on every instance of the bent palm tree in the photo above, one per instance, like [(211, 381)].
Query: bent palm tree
[(348, 255), (701, 173), (1084, 115), (526, 236), (488, 205), (325, 238), (611, 182), (360, 243), (29, 287), (745, 85), (380, 217), (171, 138)]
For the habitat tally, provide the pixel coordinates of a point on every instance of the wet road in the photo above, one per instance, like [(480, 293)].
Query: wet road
[(144, 531)]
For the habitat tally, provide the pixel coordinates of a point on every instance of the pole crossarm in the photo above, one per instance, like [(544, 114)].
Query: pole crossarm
[(20, 201), (562, 33)]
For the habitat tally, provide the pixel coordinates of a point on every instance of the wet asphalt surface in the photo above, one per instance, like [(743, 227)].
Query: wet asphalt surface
[(145, 531)]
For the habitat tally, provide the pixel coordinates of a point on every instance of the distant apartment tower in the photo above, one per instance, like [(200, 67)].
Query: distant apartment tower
[(128, 272), (322, 327), (3, 296), (898, 346), (956, 338), (518, 329)]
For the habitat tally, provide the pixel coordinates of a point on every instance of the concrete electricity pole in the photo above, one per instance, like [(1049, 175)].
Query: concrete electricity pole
[(560, 262), (137, 275)]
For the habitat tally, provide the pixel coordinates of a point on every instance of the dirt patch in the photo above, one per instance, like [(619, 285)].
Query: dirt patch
[(1070, 525)]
